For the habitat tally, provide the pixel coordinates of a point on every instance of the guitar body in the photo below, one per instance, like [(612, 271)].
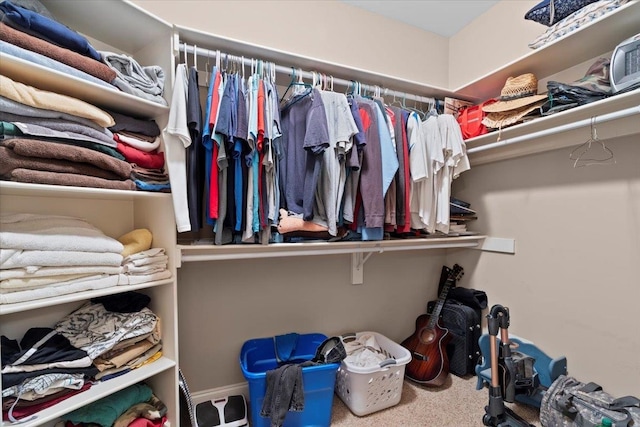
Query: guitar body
[(429, 363), (428, 344)]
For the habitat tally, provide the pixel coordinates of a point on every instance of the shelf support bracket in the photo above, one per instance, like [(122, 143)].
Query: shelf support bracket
[(497, 244), (358, 259)]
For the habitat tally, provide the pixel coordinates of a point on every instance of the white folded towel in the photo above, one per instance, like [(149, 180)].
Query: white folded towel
[(29, 273), (140, 144), (15, 258), (135, 279), (145, 269), (53, 233), (11, 285), (54, 291), (144, 254), (146, 261)]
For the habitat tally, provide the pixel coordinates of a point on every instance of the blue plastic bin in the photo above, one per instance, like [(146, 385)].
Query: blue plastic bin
[(258, 356)]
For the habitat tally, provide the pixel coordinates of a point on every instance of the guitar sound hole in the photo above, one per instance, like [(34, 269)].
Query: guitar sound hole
[(427, 336)]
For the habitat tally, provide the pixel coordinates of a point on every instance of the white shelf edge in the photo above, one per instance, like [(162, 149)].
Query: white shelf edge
[(200, 253), (52, 80), (77, 296), (99, 391), (10, 188)]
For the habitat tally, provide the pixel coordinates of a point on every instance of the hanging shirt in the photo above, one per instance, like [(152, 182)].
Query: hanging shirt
[(211, 167), (406, 228), (252, 130), (455, 162), (421, 170), (341, 127), (272, 116), (241, 148), (400, 182), (353, 164), (371, 176), (225, 127), (195, 152), (305, 137), (177, 139), (424, 192)]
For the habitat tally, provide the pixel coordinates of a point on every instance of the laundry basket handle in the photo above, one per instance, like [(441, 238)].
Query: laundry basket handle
[(387, 362)]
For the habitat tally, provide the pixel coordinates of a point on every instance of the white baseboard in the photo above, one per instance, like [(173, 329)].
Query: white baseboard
[(220, 392)]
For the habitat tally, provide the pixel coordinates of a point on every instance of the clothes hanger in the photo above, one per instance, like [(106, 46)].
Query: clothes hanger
[(433, 110), (185, 58), (395, 101), (586, 154), (195, 57), (206, 69), (297, 83)]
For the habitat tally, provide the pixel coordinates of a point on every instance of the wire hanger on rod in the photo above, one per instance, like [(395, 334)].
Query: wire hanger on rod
[(586, 154)]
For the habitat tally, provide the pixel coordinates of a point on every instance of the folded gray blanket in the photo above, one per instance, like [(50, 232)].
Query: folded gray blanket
[(131, 77), (61, 125), (30, 130)]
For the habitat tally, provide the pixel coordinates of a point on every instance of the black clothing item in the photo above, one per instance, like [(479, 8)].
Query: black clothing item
[(195, 154), (126, 302)]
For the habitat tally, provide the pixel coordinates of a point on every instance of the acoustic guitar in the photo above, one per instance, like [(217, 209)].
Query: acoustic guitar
[(429, 363)]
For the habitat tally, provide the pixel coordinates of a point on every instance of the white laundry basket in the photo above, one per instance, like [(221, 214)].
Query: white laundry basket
[(369, 389)]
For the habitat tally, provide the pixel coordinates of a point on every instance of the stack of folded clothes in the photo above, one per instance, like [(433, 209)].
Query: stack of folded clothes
[(40, 370), (103, 339), (134, 406), (44, 256), (49, 138), (118, 332), (30, 32), (141, 262), (138, 141)]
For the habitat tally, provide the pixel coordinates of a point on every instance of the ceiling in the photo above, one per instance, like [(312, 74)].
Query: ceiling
[(443, 17)]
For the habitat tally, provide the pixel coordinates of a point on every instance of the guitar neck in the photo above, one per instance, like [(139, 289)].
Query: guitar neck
[(451, 279)]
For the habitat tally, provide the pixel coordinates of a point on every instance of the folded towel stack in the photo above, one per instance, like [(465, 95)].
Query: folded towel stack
[(45, 255), (142, 263)]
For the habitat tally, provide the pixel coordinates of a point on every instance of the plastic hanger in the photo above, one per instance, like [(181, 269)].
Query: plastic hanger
[(587, 153), (206, 68), (195, 56), (297, 83)]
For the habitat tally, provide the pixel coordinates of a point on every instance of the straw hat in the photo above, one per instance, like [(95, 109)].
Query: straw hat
[(501, 119), (517, 92)]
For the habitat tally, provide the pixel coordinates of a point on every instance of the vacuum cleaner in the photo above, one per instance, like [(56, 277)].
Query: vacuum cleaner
[(503, 373)]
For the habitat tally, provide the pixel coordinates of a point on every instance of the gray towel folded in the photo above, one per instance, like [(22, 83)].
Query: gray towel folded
[(131, 77)]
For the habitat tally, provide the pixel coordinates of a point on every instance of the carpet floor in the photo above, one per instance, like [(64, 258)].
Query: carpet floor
[(457, 403)]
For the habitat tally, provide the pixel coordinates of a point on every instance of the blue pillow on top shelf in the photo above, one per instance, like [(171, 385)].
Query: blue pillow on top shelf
[(548, 12)]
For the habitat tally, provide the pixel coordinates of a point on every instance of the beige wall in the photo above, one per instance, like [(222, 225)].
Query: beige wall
[(572, 285), (497, 37), (328, 30), (223, 304)]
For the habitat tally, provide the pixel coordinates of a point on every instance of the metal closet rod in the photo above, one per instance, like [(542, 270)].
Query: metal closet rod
[(208, 53), (592, 121)]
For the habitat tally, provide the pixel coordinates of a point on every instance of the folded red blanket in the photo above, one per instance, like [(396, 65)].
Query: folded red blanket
[(151, 160)]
